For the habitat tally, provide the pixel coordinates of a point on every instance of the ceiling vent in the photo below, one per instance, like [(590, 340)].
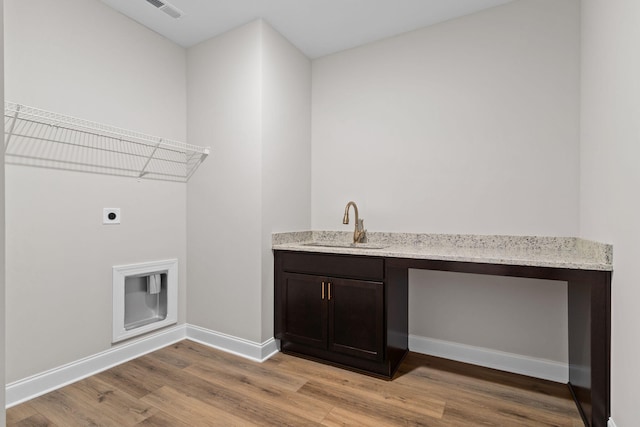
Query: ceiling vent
[(167, 8)]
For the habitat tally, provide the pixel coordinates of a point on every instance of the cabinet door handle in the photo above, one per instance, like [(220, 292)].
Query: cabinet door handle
[(329, 291), (322, 290)]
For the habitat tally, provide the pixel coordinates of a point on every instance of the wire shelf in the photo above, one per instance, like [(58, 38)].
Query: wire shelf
[(86, 146)]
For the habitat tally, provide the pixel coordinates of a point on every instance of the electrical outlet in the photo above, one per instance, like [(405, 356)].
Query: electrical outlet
[(111, 216)]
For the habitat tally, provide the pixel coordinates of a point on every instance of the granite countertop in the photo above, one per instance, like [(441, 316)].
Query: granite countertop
[(557, 252)]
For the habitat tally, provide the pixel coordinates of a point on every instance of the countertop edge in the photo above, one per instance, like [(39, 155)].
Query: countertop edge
[(535, 251)]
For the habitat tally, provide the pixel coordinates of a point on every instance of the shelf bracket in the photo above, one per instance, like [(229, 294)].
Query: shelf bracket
[(203, 156), (13, 124), (143, 171)]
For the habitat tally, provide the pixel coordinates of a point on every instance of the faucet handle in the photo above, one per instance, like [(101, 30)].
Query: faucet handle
[(360, 232)]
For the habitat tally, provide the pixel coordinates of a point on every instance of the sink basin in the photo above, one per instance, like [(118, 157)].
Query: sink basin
[(344, 245)]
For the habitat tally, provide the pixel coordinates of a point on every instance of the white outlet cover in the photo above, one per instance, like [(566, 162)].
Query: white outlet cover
[(111, 216)]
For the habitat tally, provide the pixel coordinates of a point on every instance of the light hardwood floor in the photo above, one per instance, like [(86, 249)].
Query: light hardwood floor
[(188, 384)]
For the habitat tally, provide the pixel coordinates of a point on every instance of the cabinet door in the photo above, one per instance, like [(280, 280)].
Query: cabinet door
[(356, 318), (304, 309)]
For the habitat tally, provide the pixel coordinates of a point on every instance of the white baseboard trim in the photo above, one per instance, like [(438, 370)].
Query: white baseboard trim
[(238, 346), (45, 382), (39, 384), (610, 423), (510, 362)]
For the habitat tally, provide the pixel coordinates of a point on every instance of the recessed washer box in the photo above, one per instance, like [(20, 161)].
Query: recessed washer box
[(145, 298)]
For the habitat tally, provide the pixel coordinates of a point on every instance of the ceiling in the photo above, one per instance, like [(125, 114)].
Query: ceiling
[(316, 27)]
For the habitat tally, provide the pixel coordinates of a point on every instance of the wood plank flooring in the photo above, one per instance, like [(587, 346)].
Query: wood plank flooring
[(188, 384)]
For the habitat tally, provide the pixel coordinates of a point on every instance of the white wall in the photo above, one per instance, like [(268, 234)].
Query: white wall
[(519, 316), (610, 176), (224, 209), (2, 235), (248, 97), (286, 151), (82, 58), (469, 126)]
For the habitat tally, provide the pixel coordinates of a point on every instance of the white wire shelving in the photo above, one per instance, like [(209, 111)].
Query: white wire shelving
[(39, 138)]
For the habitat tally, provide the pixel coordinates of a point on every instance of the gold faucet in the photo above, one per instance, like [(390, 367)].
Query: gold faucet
[(359, 233)]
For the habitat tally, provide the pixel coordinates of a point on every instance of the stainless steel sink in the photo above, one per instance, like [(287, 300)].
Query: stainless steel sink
[(345, 245)]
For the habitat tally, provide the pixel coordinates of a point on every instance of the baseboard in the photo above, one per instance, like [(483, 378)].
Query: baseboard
[(45, 382), (37, 385), (230, 344), (533, 367), (610, 423)]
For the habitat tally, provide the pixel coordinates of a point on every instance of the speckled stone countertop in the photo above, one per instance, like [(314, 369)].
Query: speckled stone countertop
[(557, 252)]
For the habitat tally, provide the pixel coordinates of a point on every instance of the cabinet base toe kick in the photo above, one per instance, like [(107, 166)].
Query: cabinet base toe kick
[(384, 370)]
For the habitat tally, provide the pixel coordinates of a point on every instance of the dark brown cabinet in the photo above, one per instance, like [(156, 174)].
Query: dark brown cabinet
[(334, 308), (341, 315), (356, 317), (304, 310)]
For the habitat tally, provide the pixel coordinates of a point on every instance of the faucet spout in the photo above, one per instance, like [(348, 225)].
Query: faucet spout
[(359, 232), (345, 218)]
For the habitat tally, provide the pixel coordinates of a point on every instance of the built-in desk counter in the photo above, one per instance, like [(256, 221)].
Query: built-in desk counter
[(555, 252), (585, 266)]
